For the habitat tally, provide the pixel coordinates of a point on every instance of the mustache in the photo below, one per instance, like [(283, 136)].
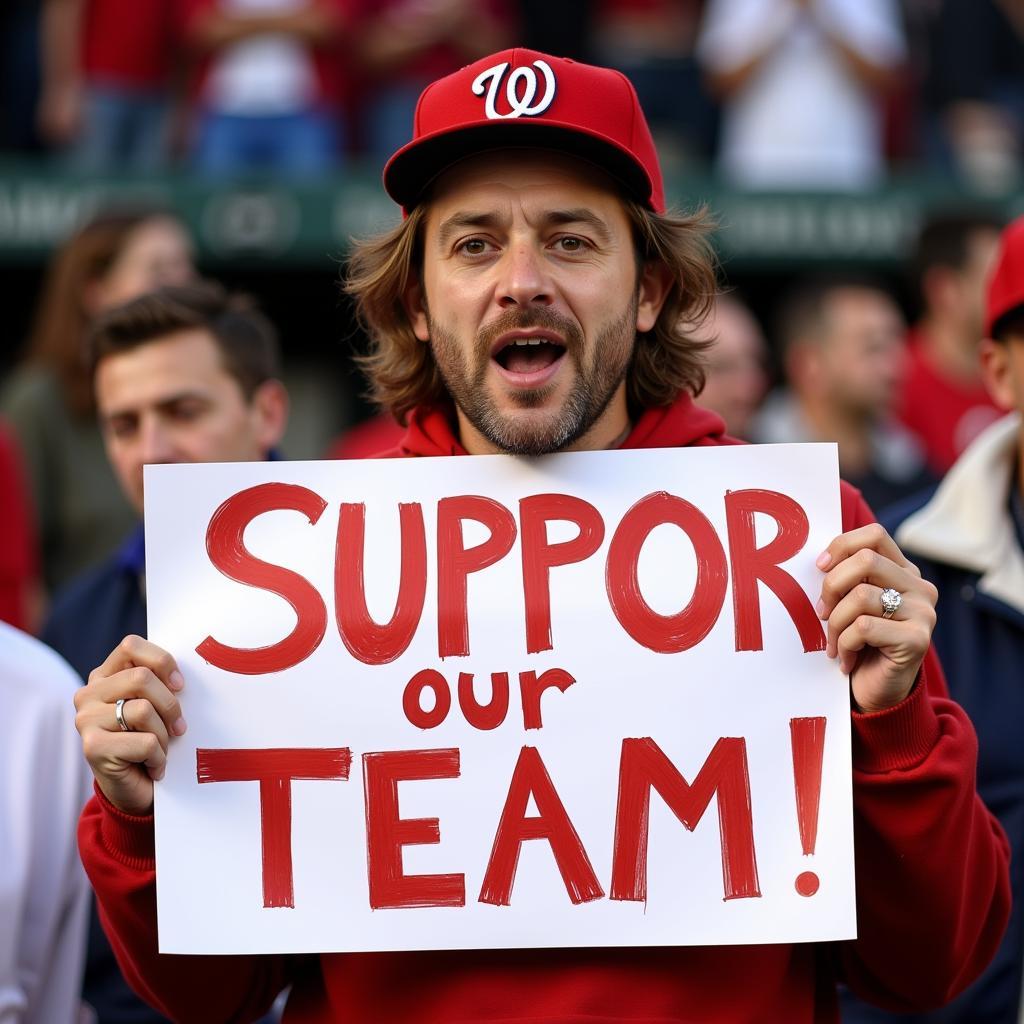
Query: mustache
[(519, 319)]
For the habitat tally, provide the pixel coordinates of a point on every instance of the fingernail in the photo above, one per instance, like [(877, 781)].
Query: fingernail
[(830, 651), (820, 608), (179, 727), (157, 774), (824, 560), (176, 680)]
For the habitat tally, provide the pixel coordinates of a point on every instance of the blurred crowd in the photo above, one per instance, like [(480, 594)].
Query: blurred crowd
[(787, 94), (766, 93), (834, 360)]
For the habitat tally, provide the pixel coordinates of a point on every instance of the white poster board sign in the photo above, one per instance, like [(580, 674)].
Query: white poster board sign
[(495, 702)]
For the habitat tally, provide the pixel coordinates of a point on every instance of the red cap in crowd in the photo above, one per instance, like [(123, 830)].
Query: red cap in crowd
[(522, 98), (1006, 285)]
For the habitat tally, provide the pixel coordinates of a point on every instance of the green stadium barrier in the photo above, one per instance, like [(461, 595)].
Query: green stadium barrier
[(310, 225)]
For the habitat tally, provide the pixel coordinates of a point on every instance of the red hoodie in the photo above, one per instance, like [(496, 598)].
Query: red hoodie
[(933, 893)]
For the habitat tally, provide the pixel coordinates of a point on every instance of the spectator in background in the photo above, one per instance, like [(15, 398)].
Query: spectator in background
[(107, 80), (800, 83), (182, 374), (48, 401), (270, 85), (44, 783), (973, 89), (652, 43), (19, 76), (844, 354), (943, 401), (736, 376), (406, 44), (968, 540), (20, 597)]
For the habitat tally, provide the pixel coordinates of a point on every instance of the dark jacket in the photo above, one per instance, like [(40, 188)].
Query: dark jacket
[(92, 614), (967, 537)]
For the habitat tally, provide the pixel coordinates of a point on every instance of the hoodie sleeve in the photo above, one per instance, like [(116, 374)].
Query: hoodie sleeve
[(118, 853), (933, 890)]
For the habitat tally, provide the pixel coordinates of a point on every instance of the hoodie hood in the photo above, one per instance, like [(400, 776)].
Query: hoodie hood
[(432, 431), (967, 523)]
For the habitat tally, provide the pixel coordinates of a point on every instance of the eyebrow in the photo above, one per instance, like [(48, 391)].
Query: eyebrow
[(461, 221), (581, 215), (472, 219)]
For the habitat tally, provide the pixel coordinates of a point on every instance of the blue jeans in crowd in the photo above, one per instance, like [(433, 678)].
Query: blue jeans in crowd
[(298, 145), (123, 129)]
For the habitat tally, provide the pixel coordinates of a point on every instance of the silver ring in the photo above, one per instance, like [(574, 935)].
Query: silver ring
[(119, 714), (891, 601)]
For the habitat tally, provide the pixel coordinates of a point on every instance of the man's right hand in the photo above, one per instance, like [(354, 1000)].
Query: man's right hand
[(126, 763)]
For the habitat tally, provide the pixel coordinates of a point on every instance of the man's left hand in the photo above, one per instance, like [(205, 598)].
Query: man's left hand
[(881, 655)]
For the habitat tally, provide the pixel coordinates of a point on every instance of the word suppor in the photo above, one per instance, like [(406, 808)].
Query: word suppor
[(378, 643)]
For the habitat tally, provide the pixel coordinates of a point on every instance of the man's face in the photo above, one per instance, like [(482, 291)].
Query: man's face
[(531, 298), (863, 352), (982, 250), (171, 400), (1002, 365), (736, 376)]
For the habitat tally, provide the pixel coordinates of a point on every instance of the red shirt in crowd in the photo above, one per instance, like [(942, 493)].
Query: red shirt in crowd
[(19, 562), (131, 43), (945, 415), (436, 58)]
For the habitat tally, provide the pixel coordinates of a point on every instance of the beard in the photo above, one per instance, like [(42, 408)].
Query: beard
[(523, 432)]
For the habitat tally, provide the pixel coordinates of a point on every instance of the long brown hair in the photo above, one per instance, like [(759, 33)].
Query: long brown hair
[(62, 317), (666, 360)]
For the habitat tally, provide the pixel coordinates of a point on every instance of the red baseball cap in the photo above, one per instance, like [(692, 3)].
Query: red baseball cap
[(1006, 285), (522, 98)]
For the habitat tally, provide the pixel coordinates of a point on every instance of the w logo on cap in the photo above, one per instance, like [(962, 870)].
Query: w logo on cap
[(489, 81), (526, 98)]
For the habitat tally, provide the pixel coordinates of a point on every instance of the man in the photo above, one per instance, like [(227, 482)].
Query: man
[(844, 356), (530, 302), (271, 84), (108, 69), (968, 540), (736, 370), (943, 400), (183, 374), (801, 86)]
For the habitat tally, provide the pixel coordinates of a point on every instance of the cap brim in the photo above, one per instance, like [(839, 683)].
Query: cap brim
[(994, 324), (411, 171)]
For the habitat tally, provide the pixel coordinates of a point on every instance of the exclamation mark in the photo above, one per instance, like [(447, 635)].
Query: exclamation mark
[(808, 739)]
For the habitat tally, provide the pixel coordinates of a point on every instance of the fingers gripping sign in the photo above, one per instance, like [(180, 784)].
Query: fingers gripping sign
[(880, 615), (127, 714)]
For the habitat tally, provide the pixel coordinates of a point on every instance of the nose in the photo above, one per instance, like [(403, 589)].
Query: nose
[(524, 277)]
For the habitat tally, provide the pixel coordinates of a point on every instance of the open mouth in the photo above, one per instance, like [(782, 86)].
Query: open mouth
[(530, 358)]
